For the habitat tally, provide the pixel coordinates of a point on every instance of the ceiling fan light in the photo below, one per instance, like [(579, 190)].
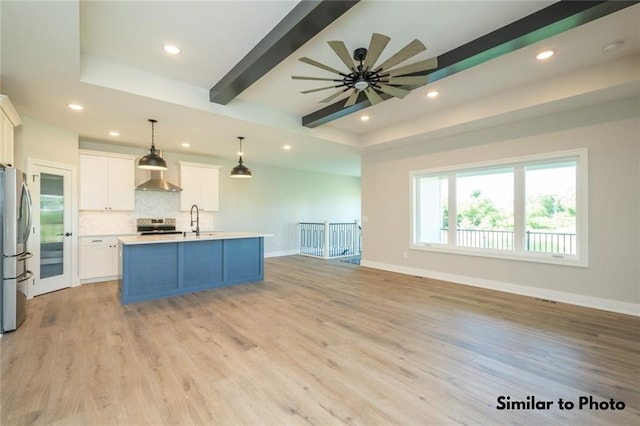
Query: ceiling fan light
[(361, 84), (364, 75)]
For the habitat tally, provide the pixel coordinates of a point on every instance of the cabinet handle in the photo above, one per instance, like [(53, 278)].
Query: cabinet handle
[(96, 241)]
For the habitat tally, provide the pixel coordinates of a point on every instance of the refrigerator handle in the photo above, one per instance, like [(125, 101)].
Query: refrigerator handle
[(27, 230)]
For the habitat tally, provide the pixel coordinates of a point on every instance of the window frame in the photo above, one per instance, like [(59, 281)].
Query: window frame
[(580, 259)]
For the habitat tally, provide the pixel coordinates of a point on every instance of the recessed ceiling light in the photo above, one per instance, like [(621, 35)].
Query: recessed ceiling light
[(545, 55), (364, 118), (432, 94), (286, 147), (114, 133), (76, 107), (171, 49), (613, 46), (185, 144)]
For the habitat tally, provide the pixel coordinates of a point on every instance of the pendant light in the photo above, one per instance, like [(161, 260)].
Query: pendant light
[(240, 171), (152, 161)]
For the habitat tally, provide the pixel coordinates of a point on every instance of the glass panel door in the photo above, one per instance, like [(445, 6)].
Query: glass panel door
[(51, 225)]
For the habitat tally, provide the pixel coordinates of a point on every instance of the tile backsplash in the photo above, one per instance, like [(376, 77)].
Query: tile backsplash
[(148, 204)]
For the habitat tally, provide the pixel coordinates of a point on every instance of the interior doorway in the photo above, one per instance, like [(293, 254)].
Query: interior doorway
[(53, 241)]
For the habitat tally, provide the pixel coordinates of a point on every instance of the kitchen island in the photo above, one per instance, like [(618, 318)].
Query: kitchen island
[(168, 265)]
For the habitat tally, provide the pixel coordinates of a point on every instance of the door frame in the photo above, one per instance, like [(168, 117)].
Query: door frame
[(32, 164)]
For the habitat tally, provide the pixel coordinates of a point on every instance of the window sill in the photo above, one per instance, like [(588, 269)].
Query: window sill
[(565, 260)]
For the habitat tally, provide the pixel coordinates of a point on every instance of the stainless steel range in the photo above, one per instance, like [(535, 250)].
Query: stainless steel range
[(156, 226)]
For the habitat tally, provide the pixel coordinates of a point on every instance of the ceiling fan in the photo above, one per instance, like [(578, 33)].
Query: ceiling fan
[(365, 76)]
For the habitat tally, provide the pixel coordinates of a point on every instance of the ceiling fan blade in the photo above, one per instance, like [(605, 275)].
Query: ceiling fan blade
[(319, 89), (298, 77), (403, 54), (393, 91), (335, 95), (418, 80), (319, 65), (373, 97), (427, 64), (376, 46), (352, 99), (343, 53)]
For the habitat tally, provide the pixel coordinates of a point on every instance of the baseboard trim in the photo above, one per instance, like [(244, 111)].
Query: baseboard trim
[(280, 253), (558, 296), (96, 280)]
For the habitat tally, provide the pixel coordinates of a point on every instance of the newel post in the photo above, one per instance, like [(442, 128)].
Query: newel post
[(325, 248), (356, 237)]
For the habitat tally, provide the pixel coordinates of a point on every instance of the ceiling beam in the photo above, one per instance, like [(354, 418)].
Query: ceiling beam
[(305, 20), (552, 20)]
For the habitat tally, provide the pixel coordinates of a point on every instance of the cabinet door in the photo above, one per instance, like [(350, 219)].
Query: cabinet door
[(190, 183), (6, 140), (209, 189), (93, 182), (96, 260), (121, 186)]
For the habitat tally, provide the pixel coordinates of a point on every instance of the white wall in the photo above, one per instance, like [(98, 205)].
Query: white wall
[(276, 199), (609, 131), (35, 139)]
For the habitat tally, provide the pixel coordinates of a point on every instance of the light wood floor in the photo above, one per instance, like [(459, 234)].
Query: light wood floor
[(316, 343)]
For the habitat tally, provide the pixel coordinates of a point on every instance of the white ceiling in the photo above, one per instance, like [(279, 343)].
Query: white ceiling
[(108, 56)]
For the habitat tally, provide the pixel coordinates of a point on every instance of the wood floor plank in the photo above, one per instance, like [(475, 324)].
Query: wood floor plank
[(318, 343)]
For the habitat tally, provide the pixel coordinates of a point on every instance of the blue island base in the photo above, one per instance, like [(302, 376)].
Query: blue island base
[(155, 270)]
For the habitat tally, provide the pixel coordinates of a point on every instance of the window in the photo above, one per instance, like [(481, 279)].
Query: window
[(531, 208), (550, 206), (484, 209)]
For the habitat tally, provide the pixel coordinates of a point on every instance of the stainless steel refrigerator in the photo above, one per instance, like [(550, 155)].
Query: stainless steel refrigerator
[(15, 217)]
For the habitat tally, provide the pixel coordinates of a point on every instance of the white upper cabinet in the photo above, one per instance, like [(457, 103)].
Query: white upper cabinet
[(9, 119), (199, 183), (107, 182)]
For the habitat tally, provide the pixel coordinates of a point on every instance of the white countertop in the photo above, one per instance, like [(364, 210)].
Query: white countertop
[(125, 234), (179, 238)]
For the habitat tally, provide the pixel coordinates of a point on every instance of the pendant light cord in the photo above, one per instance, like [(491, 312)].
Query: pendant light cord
[(240, 153), (153, 135)]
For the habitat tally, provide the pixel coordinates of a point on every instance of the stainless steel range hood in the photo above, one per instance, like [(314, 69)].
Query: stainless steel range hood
[(158, 183)]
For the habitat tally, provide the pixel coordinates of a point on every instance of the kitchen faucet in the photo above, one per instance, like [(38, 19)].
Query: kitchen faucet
[(197, 230)]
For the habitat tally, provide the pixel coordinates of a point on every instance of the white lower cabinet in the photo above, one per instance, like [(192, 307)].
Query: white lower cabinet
[(99, 259)]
